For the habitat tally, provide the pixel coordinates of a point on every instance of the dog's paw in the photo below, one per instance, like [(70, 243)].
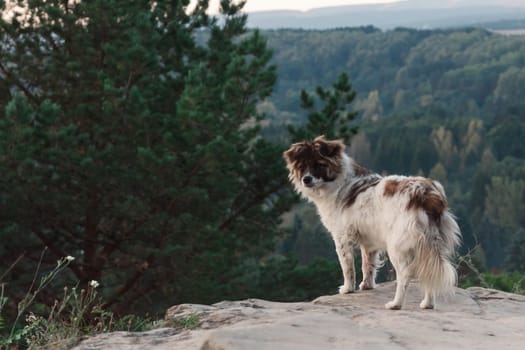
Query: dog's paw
[(426, 305), (366, 285), (345, 289), (391, 305)]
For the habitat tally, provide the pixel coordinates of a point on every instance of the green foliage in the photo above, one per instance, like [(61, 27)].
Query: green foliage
[(286, 280), (469, 266), (512, 282), (401, 146), (507, 135), (75, 314), (445, 73), (17, 334), (307, 238), (333, 119), (187, 322), (504, 202), (516, 255), (129, 138)]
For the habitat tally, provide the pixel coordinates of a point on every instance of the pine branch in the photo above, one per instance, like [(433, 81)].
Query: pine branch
[(135, 278), (59, 254), (21, 86), (255, 201)]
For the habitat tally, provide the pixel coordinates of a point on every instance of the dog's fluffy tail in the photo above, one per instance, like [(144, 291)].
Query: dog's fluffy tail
[(433, 266)]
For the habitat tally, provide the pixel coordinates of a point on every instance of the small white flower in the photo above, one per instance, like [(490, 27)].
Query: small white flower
[(93, 284), (70, 258), (30, 318)]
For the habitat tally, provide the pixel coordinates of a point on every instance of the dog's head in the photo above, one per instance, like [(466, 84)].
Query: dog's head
[(313, 164)]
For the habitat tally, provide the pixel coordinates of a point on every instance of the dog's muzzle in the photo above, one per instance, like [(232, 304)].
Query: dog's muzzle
[(308, 180)]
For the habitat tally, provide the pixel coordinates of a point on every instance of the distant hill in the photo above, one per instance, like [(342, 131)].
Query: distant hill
[(410, 13), (505, 24)]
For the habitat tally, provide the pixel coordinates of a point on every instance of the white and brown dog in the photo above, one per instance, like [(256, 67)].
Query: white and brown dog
[(406, 217)]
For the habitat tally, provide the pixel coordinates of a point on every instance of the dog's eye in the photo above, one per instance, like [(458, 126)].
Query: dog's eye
[(320, 166)]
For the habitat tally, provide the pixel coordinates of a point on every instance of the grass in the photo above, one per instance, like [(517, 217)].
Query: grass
[(187, 322), (77, 313), (513, 282)]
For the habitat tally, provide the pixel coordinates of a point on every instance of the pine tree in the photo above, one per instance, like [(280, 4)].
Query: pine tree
[(515, 259), (333, 119), (129, 139)]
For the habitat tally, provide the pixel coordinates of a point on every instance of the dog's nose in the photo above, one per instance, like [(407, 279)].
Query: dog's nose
[(308, 180)]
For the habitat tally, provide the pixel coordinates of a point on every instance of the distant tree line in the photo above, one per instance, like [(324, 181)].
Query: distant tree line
[(403, 72), (448, 104)]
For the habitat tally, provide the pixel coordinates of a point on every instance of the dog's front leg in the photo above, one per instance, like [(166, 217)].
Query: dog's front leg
[(368, 266), (344, 251)]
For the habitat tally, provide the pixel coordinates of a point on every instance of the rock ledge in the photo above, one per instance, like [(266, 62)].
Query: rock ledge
[(475, 318)]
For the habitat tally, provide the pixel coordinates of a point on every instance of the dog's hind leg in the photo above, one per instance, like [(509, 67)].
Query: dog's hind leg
[(402, 281), (368, 266), (344, 251), (401, 288), (428, 300)]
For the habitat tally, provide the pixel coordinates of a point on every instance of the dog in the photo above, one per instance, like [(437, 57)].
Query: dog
[(405, 217)]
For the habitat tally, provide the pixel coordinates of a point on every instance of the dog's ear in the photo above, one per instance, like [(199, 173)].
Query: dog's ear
[(329, 148), (291, 154)]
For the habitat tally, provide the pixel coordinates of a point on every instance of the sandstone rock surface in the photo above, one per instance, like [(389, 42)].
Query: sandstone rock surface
[(476, 318)]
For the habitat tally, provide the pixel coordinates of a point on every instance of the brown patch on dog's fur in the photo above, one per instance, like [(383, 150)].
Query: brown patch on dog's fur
[(429, 199), (423, 194), (391, 188)]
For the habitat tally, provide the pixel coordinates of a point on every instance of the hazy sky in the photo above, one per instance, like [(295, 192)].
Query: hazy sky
[(262, 5)]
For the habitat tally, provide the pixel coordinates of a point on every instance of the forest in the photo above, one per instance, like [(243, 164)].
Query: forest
[(141, 155), (447, 104)]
